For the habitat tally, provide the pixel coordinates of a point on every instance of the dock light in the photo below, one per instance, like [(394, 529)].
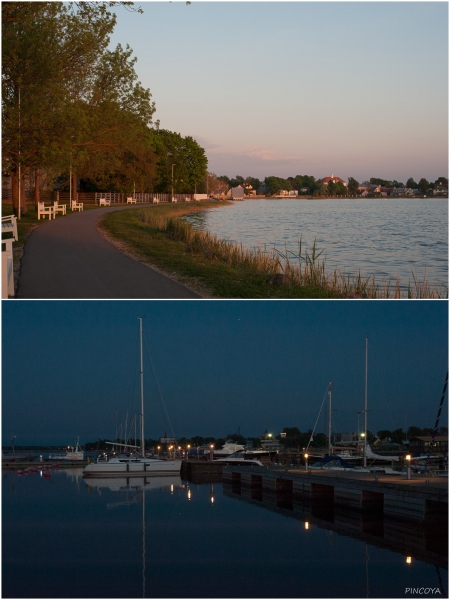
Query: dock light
[(408, 467), (408, 560), (189, 493), (306, 525), (306, 455)]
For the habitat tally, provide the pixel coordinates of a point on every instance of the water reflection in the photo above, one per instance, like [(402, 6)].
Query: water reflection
[(425, 541), (164, 537)]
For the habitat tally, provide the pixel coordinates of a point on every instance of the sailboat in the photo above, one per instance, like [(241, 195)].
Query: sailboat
[(137, 465)]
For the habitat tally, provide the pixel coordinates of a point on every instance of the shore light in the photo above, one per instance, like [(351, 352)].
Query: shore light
[(306, 525), (408, 467), (408, 560), (306, 455)]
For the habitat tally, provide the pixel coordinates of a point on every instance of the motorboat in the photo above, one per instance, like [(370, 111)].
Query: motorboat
[(227, 449), (75, 454), (241, 458), (136, 465)]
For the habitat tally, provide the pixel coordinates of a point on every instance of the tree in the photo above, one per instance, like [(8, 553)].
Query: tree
[(187, 157), (441, 180), (423, 185), (411, 183), (353, 186), (66, 98), (413, 431), (275, 184)]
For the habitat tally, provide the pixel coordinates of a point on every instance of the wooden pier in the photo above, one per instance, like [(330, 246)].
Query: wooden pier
[(417, 499)]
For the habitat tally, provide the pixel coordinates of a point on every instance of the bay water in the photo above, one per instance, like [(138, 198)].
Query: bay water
[(386, 238), (69, 537)]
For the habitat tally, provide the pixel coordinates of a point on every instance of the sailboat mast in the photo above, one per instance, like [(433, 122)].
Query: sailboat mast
[(365, 405), (142, 391), (330, 447)]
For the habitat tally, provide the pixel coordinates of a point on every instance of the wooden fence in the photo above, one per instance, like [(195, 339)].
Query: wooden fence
[(94, 197)]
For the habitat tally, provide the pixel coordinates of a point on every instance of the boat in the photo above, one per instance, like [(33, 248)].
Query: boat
[(240, 458), (227, 449), (335, 463), (137, 464), (76, 454)]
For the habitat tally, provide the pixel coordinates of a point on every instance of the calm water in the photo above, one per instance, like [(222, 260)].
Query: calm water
[(385, 238), (63, 538)]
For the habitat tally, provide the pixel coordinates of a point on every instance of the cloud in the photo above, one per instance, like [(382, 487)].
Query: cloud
[(256, 161)]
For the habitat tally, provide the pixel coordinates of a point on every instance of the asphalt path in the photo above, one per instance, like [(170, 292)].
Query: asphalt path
[(69, 258)]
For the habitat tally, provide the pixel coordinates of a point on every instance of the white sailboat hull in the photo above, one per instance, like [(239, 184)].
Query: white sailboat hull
[(132, 468)]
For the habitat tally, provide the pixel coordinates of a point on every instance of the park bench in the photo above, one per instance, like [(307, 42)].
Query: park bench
[(131, 200), (104, 202), (45, 210), (77, 206), (155, 200), (9, 227), (59, 208)]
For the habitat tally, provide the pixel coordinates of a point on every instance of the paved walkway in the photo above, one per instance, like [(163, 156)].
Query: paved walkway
[(69, 258)]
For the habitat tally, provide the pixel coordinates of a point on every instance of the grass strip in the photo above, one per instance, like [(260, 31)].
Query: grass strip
[(214, 267), (223, 269)]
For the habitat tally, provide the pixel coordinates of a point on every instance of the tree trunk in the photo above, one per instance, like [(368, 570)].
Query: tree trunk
[(15, 192), (74, 187), (37, 177), (23, 200)]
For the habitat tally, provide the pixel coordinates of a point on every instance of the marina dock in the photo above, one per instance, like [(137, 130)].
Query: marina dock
[(417, 499)]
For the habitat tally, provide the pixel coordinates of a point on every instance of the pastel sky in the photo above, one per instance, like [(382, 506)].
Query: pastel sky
[(359, 89), (69, 367)]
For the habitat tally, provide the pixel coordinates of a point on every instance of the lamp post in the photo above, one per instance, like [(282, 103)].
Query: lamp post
[(408, 466), (306, 460)]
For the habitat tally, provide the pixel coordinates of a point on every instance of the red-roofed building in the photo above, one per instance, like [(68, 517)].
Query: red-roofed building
[(333, 179)]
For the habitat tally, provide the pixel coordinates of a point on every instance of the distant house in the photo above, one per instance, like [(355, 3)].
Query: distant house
[(288, 193), (421, 444), (441, 189), (333, 179), (236, 193), (367, 188)]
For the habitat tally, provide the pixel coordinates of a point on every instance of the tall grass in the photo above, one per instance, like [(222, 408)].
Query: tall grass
[(303, 269)]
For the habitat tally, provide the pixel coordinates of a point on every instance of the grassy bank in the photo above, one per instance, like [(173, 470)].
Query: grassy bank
[(214, 267)]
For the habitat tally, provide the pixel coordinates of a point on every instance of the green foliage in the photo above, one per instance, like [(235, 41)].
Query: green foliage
[(413, 431), (275, 184), (353, 186), (423, 185), (411, 183), (80, 103), (187, 157)]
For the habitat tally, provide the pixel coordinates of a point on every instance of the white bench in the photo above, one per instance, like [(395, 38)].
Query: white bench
[(155, 200), (173, 199), (131, 201), (77, 206), (104, 202), (59, 208), (45, 210), (9, 226)]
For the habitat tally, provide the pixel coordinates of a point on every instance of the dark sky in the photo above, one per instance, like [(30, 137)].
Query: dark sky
[(71, 368)]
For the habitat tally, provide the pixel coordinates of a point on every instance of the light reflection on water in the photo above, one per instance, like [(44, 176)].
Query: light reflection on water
[(69, 537), (382, 237)]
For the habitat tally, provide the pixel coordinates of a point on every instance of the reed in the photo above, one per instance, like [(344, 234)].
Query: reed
[(284, 268)]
